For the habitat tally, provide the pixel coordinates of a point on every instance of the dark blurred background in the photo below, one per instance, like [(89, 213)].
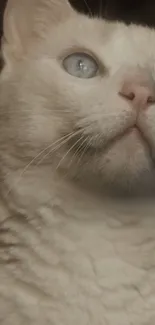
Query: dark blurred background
[(2, 6), (137, 11)]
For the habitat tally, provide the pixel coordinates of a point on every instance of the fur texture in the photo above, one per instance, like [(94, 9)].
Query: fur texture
[(77, 172)]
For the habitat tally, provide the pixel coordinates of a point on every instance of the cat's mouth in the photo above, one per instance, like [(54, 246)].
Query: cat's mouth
[(91, 146), (139, 135)]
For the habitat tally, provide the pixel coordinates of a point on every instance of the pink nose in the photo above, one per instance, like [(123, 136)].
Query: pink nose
[(139, 92)]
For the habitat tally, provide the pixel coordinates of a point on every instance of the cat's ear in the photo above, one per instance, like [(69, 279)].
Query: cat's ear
[(26, 19)]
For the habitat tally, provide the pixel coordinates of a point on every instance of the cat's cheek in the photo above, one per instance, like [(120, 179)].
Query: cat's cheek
[(127, 159)]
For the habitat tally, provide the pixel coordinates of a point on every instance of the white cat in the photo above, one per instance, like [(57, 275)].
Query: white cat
[(77, 147)]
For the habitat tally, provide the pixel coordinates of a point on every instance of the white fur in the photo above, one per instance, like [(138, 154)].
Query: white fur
[(71, 251)]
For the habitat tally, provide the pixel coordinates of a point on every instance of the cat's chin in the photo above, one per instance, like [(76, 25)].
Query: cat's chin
[(128, 166), (124, 167)]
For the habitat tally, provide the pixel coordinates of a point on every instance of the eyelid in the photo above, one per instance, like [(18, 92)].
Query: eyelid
[(78, 50)]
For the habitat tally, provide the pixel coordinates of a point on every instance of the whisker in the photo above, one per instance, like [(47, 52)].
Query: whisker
[(88, 7), (78, 149), (70, 149), (100, 8), (33, 160), (84, 150), (61, 141), (59, 146)]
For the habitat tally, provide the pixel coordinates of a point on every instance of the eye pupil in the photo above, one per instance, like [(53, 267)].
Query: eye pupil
[(81, 65)]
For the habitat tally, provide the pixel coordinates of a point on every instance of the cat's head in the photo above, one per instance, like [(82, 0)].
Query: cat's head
[(81, 88)]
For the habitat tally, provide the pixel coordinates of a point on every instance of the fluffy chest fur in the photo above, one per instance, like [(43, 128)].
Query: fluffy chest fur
[(77, 260)]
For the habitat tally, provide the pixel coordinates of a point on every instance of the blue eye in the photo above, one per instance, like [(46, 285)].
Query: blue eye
[(81, 65)]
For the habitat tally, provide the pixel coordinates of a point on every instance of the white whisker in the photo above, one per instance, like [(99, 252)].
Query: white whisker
[(78, 149), (70, 149), (84, 150), (60, 142), (34, 159)]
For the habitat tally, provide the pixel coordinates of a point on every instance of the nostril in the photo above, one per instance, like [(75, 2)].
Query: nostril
[(129, 95), (138, 90), (139, 95), (151, 100)]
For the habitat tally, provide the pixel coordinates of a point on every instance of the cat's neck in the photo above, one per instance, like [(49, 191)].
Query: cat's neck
[(28, 192)]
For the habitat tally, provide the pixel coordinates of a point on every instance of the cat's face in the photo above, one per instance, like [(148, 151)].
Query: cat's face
[(92, 83)]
